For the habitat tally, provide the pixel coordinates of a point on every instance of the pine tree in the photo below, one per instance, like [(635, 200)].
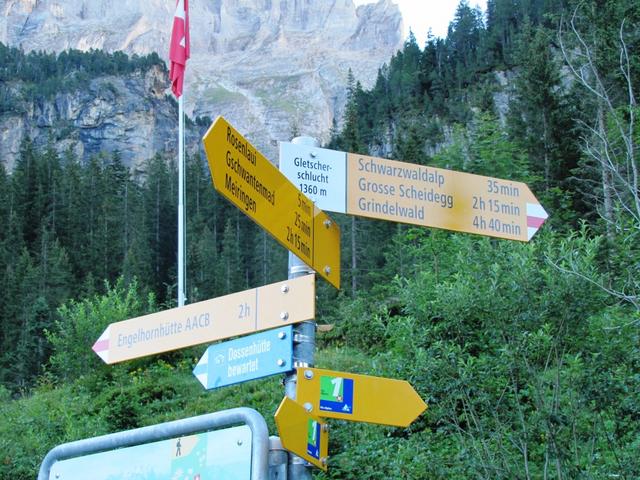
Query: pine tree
[(463, 42), (270, 259), (351, 140), (137, 262), (91, 241), (6, 259), (230, 257), (493, 154), (38, 284), (114, 221), (161, 214), (50, 179), (539, 114), (410, 142), (27, 192), (205, 273), (404, 79), (72, 217)]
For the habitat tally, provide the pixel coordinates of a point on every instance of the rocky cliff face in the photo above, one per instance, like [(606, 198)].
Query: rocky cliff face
[(269, 66), (128, 114)]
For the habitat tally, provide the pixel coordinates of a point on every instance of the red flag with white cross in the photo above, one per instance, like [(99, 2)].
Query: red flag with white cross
[(179, 48)]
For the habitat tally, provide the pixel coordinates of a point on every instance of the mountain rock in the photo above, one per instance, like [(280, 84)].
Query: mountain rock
[(271, 67), (128, 114)]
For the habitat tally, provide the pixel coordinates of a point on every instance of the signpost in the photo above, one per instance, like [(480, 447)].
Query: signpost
[(246, 358), (303, 433), (410, 193), (253, 310), (358, 398), (251, 182)]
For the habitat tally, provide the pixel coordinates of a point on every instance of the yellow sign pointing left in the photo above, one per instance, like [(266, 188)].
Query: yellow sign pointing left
[(239, 313), (251, 182), (303, 433)]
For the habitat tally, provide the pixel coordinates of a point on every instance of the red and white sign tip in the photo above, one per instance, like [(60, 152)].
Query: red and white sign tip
[(536, 215), (101, 347)]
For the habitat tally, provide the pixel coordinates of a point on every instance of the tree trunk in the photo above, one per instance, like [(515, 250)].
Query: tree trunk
[(606, 176)]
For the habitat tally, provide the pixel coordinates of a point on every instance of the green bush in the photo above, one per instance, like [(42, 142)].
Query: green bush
[(81, 323)]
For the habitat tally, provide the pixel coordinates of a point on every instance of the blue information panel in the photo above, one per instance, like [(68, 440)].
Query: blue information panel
[(220, 454), (247, 358)]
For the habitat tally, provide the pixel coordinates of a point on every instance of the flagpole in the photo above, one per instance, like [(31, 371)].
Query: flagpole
[(181, 232)]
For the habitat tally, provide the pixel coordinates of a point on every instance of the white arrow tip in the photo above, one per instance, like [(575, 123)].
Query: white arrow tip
[(200, 371), (204, 379)]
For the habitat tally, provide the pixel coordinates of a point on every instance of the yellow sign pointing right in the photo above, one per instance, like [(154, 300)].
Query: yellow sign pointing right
[(358, 398), (411, 193), (435, 197)]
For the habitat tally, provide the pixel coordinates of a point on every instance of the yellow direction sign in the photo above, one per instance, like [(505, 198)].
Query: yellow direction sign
[(359, 398), (240, 313), (434, 197), (251, 182), (303, 433), (410, 193)]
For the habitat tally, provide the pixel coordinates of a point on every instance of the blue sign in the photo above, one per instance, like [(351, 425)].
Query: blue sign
[(220, 454), (247, 358)]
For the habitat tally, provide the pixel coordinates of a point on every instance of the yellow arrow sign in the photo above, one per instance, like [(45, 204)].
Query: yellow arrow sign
[(244, 312), (359, 398), (303, 433), (410, 193), (434, 197), (251, 182)]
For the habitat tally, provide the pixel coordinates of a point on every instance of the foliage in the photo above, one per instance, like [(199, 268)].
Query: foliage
[(81, 323), (69, 230), (96, 405), (44, 74), (506, 351)]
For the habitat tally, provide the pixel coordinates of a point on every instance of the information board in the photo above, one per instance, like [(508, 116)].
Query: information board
[(220, 454)]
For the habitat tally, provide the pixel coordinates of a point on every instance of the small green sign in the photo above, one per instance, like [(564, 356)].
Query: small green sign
[(336, 394), (313, 438)]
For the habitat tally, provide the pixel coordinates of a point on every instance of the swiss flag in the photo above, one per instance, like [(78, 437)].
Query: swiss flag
[(179, 49)]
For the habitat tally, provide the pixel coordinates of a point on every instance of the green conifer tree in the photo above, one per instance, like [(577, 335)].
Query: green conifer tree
[(231, 258)]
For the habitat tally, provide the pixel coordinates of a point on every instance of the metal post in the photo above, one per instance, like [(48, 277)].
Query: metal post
[(181, 222), (304, 337), (278, 459)]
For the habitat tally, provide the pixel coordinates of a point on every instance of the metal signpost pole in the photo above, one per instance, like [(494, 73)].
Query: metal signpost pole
[(181, 222), (278, 459), (304, 344)]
